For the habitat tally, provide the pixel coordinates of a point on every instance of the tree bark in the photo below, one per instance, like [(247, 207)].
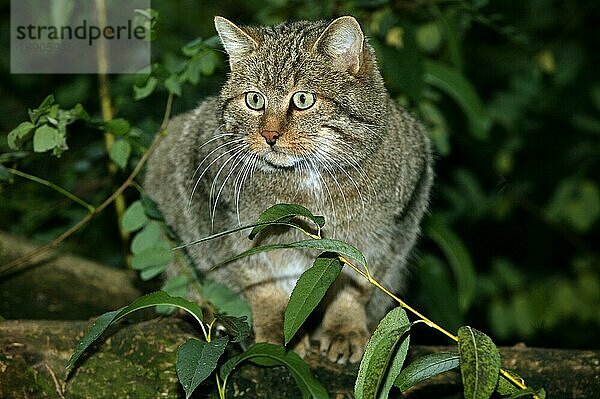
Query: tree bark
[(138, 360)]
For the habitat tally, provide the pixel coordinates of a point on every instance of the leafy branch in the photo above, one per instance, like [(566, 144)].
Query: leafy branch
[(20, 262), (385, 353)]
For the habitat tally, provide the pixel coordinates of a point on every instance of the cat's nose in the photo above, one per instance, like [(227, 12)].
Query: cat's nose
[(270, 136)]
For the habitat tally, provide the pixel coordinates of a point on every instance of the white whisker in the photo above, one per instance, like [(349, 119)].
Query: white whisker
[(232, 142), (237, 147), (237, 156)]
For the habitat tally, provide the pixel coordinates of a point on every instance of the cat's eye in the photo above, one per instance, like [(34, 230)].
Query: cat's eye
[(255, 100), (303, 100)]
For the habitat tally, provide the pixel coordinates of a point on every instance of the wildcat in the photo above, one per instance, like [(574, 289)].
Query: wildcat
[(303, 117)]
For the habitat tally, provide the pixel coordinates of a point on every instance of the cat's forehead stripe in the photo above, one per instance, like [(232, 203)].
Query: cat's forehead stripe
[(282, 52)]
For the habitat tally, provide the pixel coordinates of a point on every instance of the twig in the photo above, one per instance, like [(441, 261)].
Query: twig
[(53, 186), (43, 249)]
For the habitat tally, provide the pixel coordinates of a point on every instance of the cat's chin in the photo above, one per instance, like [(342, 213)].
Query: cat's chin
[(278, 160)]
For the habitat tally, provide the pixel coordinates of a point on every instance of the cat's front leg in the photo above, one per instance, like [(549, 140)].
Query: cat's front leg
[(268, 303), (344, 332)]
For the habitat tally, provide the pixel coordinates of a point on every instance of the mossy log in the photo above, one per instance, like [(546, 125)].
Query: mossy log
[(137, 360)]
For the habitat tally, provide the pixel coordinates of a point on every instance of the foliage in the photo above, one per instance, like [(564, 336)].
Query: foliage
[(510, 96), (381, 365)]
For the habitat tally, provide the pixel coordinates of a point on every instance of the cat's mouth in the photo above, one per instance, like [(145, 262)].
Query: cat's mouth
[(278, 159)]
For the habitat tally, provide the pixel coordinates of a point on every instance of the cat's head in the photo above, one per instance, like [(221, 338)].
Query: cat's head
[(302, 93)]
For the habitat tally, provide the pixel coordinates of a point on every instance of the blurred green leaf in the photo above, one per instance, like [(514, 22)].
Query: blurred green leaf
[(159, 255), (402, 68), (46, 138), (458, 87), (134, 217), (438, 292), (120, 152), (176, 286), (429, 37), (44, 108), (225, 300), (575, 202), (458, 257), (148, 237), (141, 92), (4, 175), (438, 129), (173, 86), (118, 126), (15, 137)]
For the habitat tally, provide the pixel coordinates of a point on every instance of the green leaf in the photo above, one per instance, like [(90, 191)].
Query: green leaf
[(148, 237), (208, 63), (118, 126), (284, 213), (196, 360), (78, 112), (193, 47), (151, 208), (576, 203), (505, 387), (458, 87), (44, 108), (173, 86), (402, 68), (134, 217), (159, 255), (120, 152), (438, 128), (459, 259), (4, 174), (225, 299), (175, 286), (325, 244), (426, 367), (479, 363), (438, 292), (144, 91), (46, 138), (269, 355), (16, 136), (375, 377), (237, 327), (429, 37), (146, 301), (308, 292)]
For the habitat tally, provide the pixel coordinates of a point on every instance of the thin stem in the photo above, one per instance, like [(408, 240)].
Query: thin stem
[(107, 114), (53, 186), (136, 170), (220, 389)]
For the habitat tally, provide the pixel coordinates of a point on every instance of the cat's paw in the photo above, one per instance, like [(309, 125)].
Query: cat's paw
[(302, 347), (343, 344)]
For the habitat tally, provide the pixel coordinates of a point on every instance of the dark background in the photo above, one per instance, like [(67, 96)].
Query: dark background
[(511, 244)]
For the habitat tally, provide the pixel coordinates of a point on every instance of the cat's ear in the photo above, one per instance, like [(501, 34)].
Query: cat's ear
[(343, 41), (237, 43)]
